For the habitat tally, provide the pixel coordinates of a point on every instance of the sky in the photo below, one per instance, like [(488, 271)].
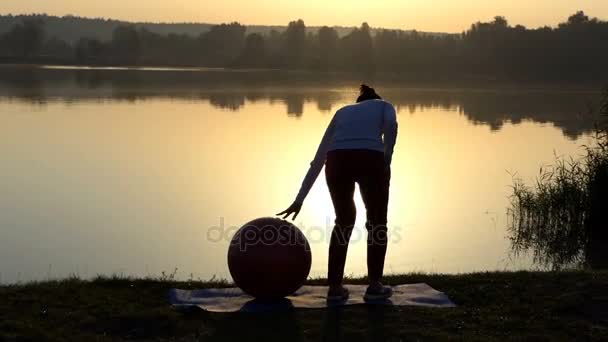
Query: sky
[(423, 15)]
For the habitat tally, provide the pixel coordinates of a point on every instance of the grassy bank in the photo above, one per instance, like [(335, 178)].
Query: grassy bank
[(492, 306)]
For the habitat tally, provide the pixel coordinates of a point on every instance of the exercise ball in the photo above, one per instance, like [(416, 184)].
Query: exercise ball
[(269, 258)]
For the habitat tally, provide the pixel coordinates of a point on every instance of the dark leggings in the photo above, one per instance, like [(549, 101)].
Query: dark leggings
[(343, 169)]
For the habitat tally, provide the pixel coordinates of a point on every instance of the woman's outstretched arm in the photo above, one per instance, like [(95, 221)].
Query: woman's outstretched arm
[(313, 173)]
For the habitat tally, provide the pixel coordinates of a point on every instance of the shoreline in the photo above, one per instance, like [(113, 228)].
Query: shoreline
[(195, 76)]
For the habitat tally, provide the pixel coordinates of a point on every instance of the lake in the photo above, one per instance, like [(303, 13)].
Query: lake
[(140, 172)]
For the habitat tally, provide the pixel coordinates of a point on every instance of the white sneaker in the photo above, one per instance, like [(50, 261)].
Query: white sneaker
[(378, 292), (339, 295)]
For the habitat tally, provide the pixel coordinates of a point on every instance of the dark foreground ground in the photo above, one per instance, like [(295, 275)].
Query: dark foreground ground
[(492, 306)]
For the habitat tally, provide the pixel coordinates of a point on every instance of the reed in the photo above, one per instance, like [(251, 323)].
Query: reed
[(561, 218)]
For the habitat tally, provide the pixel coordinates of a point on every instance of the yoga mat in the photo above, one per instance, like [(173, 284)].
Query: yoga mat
[(307, 297)]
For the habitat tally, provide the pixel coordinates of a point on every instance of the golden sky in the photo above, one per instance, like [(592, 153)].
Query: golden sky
[(424, 15)]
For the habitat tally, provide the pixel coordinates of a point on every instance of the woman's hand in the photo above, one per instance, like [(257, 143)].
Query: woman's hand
[(294, 209)]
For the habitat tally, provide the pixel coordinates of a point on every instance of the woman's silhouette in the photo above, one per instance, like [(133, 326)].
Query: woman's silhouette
[(357, 148)]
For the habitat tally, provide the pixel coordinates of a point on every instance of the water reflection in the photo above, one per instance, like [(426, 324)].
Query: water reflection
[(233, 90)]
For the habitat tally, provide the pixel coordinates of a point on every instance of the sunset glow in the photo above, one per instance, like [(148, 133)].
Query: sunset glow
[(434, 15)]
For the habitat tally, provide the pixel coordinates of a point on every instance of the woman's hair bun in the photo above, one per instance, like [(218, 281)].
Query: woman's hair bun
[(364, 88), (367, 93)]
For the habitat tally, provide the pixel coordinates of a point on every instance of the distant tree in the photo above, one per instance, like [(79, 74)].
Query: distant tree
[(26, 38), (388, 43), (222, 44), (274, 48), (254, 53), (357, 50), (154, 47), (578, 18), (295, 43), (89, 51), (574, 50), (328, 45), (500, 21), (126, 45), (57, 49)]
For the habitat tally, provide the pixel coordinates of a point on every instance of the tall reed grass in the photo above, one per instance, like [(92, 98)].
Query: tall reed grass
[(562, 218)]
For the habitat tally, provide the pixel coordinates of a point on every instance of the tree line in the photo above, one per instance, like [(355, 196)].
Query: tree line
[(574, 50)]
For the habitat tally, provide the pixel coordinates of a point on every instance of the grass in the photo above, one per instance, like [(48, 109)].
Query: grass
[(492, 306)]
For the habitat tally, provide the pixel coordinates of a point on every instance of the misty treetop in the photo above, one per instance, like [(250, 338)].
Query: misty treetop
[(71, 28), (576, 49)]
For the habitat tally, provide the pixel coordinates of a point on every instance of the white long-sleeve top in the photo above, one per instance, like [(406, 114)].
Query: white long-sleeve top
[(368, 125)]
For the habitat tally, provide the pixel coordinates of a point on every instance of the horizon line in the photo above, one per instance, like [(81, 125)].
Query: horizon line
[(136, 22)]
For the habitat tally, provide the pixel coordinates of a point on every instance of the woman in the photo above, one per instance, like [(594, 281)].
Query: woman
[(354, 151)]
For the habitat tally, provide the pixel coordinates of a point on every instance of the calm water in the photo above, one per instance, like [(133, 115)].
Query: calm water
[(140, 172)]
